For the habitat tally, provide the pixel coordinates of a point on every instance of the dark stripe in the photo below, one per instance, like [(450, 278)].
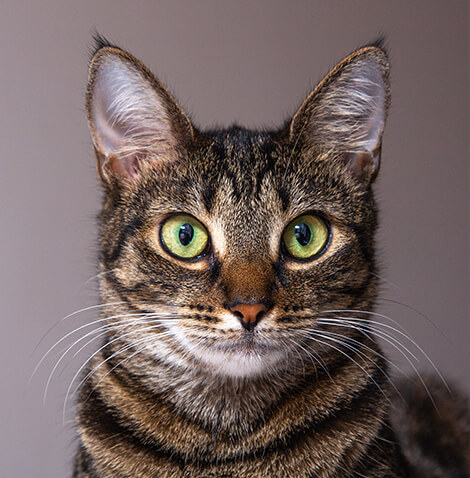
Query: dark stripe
[(215, 270), (97, 415), (284, 197), (83, 465), (280, 272), (266, 149), (363, 234), (128, 232), (106, 420), (208, 194), (138, 287), (120, 289), (349, 410), (358, 290)]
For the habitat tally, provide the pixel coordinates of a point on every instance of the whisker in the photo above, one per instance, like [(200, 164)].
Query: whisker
[(116, 327), (386, 337), (111, 271), (374, 329), (88, 324), (82, 382), (385, 280), (367, 312), (67, 351), (107, 344), (375, 352), (347, 356), (100, 331), (409, 307), (314, 356), (120, 324), (370, 349), (302, 360), (85, 309), (149, 339)]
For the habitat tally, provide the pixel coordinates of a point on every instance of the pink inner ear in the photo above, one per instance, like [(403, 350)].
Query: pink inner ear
[(347, 113), (129, 167), (128, 118), (363, 165)]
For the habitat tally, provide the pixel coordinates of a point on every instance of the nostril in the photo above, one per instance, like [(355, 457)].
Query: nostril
[(260, 315), (249, 314)]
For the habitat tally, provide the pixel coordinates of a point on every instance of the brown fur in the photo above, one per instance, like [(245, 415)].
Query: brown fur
[(435, 434), (322, 411)]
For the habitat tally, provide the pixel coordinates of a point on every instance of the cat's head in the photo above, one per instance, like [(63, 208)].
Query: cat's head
[(222, 250)]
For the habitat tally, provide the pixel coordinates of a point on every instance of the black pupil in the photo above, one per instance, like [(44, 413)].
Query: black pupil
[(186, 234), (302, 233)]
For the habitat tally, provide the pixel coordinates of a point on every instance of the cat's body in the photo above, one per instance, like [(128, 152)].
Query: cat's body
[(252, 356)]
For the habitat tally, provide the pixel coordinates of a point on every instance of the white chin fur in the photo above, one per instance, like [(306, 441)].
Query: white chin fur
[(237, 364)]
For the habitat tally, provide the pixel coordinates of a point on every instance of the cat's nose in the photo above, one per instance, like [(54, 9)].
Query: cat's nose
[(249, 314)]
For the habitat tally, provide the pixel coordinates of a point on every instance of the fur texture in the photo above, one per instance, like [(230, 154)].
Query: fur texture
[(180, 388)]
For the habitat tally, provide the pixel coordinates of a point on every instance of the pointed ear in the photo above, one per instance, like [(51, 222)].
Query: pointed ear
[(133, 119), (346, 112)]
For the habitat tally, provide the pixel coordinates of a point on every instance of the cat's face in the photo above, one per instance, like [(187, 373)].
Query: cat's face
[(222, 250)]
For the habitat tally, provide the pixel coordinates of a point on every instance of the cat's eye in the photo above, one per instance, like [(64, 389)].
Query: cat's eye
[(305, 237), (184, 236)]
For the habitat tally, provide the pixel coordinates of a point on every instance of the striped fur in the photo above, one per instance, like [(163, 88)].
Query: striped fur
[(180, 388)]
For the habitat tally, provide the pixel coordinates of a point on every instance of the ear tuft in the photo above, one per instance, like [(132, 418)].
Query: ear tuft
[(380, 43), (99, 42), (346, 113), (132, 117)]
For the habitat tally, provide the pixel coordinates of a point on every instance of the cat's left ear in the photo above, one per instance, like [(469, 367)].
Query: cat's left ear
[(133, 119), (345, 114)]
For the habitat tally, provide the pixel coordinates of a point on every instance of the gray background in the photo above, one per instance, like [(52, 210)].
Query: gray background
[(246, 61)]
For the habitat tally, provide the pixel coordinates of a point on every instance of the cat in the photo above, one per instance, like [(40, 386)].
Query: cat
[(238, 286)]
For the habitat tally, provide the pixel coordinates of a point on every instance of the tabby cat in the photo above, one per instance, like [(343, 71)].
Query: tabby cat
[(238, 279)]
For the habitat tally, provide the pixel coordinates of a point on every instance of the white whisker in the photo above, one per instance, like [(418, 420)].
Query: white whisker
[(107, 344), (88, 324), (402, 348), (71, 315), (375, 352), (347, 356)]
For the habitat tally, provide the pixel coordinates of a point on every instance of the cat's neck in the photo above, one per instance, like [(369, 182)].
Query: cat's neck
[(233, 405)]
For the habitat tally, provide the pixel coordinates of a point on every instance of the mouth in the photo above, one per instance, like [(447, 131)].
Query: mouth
[(247, 345)]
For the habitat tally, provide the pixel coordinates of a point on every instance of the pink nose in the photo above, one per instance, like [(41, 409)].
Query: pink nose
[(249, 314)]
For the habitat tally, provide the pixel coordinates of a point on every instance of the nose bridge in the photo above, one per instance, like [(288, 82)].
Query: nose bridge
[(247, 281), (246, 270)]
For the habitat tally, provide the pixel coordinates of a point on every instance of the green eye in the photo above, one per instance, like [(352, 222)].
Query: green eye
[(305, 236), (183, 236)]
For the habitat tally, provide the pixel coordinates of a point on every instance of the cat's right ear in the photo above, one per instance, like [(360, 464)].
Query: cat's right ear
[(133, 119)]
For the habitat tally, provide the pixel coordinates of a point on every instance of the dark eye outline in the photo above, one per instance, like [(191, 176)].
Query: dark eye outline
[(316, 256), (200, 256)]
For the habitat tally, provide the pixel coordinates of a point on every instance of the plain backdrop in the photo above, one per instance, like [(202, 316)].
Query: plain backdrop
[(246, 61)]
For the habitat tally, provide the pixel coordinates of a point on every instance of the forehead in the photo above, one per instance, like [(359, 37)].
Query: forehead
[(244, 178), (258, 172), (240, 165)]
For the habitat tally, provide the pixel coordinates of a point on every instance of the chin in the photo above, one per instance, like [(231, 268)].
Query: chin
[(240, 363), (238, 359)]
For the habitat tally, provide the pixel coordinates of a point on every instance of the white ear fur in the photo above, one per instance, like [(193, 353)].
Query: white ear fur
[(124, 106), (346, 113), (131, 115), (353, 109)]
